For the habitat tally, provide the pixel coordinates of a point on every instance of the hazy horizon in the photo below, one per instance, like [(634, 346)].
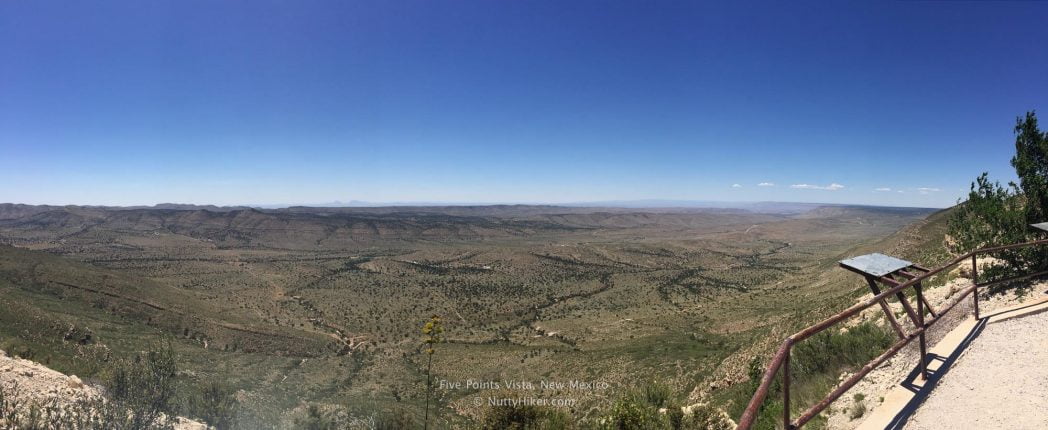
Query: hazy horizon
[(614, 204)]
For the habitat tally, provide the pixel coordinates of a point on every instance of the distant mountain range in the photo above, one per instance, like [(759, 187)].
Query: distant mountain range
[(17, 210)]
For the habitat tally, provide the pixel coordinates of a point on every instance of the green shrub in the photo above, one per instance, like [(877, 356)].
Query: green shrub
[(146, 378), (657, 395), (706, 417), (653, 407), (525, 417), (992, 215), (216, 404), (144, 388), (315, 419), (815, 364), (632, 412), (995, 215), (858, 406), (676, 418), (830, 352), (396, 420)]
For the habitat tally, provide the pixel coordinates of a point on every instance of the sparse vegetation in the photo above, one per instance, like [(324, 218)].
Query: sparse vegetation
[(215, 404), (139, 396), (816, 364), (858, 408), (297, 310), (144, 387), (829, 352), (652, 408), (525, 417)]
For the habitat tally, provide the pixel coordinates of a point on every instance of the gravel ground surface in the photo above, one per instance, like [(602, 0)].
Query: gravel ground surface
[(878, 383), (1000, 381)]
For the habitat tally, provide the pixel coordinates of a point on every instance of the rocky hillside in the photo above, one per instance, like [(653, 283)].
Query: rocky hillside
[(26, 385)]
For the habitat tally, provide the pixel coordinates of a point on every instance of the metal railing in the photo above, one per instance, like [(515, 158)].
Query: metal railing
[(781, 359)]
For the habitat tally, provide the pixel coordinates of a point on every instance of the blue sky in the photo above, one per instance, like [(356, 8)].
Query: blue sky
[(308, 102)]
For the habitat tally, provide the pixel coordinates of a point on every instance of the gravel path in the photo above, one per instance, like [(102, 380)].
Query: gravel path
[(1000, 381)]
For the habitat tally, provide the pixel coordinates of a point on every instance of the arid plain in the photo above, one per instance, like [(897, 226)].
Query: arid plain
[(323, 306)]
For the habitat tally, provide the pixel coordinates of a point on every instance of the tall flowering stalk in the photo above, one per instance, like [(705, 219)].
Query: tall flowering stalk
[(433, 333)]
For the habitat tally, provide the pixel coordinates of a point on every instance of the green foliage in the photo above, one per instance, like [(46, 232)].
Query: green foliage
[(145, 386), (216, 404), (829, 352), (997, 215), (676, 418), (521, 417), (657, 395), (1031, 165), (632, 412), (315, 419), (858, 406), (652, 407), (140, 393), (756, 370), (815, 364), (395, 420), (992, 215), (706, 417)]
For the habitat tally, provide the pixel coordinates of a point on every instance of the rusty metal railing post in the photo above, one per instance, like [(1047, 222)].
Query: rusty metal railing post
[(923, 361), (975, 282), (786, 389)]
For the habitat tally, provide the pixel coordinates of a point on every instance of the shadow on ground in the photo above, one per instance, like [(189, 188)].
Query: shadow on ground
[(922, 390)]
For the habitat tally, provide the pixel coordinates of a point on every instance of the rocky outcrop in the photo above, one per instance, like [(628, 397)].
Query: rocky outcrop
[(25, 382)]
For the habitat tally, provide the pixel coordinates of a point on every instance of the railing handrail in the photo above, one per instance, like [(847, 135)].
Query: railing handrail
[(750, 414)]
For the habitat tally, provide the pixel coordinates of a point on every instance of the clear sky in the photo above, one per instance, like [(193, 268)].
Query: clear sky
[(262, 102)]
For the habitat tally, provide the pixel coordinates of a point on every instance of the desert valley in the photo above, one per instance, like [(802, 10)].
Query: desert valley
[(299, 307)]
